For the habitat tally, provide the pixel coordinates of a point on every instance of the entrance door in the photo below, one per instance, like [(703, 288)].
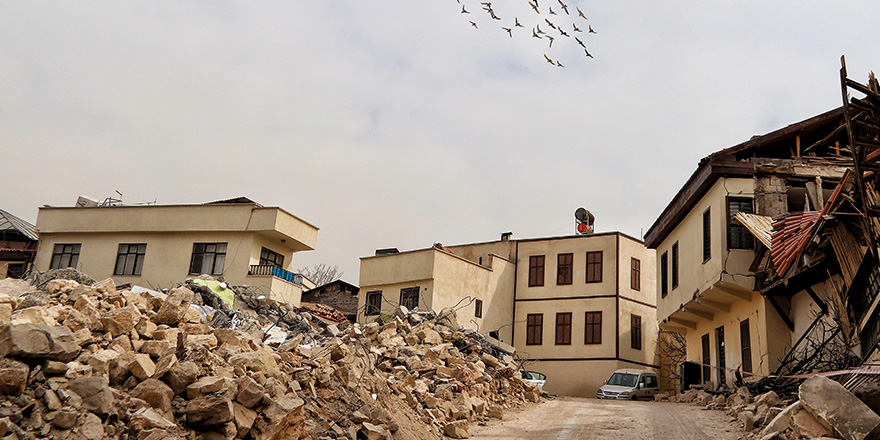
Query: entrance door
[(719, 340)]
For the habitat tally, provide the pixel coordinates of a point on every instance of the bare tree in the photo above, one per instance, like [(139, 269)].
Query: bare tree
[(321, 274), (672, 351)]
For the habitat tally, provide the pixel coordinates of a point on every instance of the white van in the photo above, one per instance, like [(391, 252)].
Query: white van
[(629, 384)]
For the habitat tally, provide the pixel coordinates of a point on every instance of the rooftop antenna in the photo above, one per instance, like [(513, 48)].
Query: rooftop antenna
[(584, 224)]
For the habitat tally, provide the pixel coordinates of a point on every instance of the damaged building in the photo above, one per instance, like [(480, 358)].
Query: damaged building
[(766, 257), (18, 245)]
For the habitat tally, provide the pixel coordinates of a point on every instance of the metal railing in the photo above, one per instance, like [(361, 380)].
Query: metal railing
[(275, 271)]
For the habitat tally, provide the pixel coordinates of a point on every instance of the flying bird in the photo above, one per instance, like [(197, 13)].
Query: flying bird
[(535, 7), (535, 34), (538, 26), (564, 6), (463, 10), (509, 31), (487, 4), (580, 42), (588, 53), (474, 25), (564, 34), (581, 13), (551, 40), (517, 22), (576, 28), (551, 11), (548, 59), (492, 13), (559, 64), (551, 24), (591, 30)]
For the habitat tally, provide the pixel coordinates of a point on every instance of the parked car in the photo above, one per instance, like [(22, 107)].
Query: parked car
[(629, 384), (534, 378)]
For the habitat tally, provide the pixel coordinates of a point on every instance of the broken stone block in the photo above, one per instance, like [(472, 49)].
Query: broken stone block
[(36, 341), (100, 361), (13, 377), (95, 393), (456, 429), (65, 419), (175, 306), (209, 411), (90, 427), (120, 321), (204, 386), (804, 424), (148, 418), (495, 412), (155, 393), (373, 432), (769, 398), (181, 376), (835, 406), (747, 418), (32, 315), (142, 366), (258, 361), (244, 419), (249, 392)]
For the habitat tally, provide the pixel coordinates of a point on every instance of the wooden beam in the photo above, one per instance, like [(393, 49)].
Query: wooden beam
[(698, 313), (684, 322), (720, 306), (797, 145)]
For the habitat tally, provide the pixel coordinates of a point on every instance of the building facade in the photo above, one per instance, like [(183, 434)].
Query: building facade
[(161, 245), (713, 244), (576, 307)]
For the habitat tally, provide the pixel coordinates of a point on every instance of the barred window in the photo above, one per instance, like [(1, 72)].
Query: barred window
[(409, 297)]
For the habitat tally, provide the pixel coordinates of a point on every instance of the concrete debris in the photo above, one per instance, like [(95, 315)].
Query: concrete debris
[(85, 360)]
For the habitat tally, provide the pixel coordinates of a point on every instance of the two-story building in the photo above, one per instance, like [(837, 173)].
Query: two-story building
[(576, 307), (713, 266), (159, 246)]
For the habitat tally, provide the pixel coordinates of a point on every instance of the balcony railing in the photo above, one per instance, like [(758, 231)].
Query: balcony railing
[(275, 271)]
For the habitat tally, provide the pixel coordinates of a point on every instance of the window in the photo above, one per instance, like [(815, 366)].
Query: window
[(650, 382), (130, 259), (478, 308), (593, 328), (707, 370), (674, 265), (208, 258), (270, 258), (738, 237), (636, 332), (707, 235), (594, 267), (374, 303), (65, 255), (409, 297), (664, 274), (563, 328), (563, 268), (719, 346), (746, 343), (534, 328), (536, 270), (635, 277)]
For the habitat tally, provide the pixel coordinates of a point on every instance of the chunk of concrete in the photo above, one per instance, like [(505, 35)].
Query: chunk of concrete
[(37, 341), (835, 407)]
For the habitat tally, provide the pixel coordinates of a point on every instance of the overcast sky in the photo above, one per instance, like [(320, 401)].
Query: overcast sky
[(399, 124)]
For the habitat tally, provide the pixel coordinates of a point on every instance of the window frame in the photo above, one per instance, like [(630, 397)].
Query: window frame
[(664, 274), (594, 266), (536, 270), (745, 340), (593, 328), (478, 308), (65, 252), (675, 264), (371, 309), (564, 269), (735, 228), (534, 329), (563, 328), (635, 331), (635, 277), (136, 258), (215, 270), (408, 295), (707, 234), (268, 257)]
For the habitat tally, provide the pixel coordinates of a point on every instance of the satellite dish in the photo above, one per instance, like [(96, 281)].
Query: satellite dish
[(581, 214)]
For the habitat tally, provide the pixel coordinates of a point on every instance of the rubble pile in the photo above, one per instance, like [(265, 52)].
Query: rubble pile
[(88, 361), (822, 408)]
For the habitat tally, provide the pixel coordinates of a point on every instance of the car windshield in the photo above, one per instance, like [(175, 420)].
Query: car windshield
[(623, 379)]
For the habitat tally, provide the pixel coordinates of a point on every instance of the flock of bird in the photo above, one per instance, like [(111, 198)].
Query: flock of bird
[(557, 25)]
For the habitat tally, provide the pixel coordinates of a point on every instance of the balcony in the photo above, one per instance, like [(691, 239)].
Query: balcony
[(275, 271)]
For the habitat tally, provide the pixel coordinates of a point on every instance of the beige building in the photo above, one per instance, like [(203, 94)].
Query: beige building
[(159, 246), (714, 270), (577, 307)]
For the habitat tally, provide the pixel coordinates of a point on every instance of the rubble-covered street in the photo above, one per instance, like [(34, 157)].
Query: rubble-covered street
[(88, 360)]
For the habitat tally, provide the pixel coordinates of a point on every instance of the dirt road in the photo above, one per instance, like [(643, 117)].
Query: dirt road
[(579, 418)]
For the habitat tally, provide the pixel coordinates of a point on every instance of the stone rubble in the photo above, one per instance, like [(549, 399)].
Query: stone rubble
[(823, 408), (88, 361)]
